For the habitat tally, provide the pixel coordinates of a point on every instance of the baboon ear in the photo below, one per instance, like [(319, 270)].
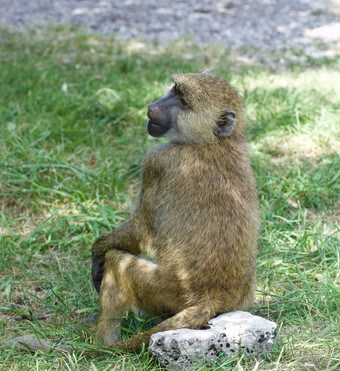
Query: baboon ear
[(225, 124)]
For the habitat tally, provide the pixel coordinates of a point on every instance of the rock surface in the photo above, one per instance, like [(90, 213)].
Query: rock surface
[(228, 334)]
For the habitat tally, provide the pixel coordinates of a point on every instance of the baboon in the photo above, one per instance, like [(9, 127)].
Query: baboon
[(196, 216)]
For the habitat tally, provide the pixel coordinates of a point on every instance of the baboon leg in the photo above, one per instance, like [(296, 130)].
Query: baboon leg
[(131, 281), (192, 317), (247, 299)]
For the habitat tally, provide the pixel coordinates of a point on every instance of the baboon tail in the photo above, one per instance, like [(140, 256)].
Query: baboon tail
[(193, 318)]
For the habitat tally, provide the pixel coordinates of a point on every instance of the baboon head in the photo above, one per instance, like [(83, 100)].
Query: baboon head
[(199, 108)]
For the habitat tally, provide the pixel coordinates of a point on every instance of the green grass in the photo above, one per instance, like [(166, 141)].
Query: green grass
[(72, 136)]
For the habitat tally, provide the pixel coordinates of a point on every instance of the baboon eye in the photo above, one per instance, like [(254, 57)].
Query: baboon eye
[(176, 89), (183, 102)]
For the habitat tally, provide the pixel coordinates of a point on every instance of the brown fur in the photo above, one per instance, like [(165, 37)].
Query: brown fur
[(196, 215)]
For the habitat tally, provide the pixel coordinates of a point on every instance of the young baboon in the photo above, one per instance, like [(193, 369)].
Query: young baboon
[(196, 215)]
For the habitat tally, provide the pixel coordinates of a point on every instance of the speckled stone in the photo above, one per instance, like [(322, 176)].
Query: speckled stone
[(227, 334)]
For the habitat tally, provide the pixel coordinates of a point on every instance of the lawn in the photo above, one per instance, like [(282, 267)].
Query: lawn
[(72, 136)]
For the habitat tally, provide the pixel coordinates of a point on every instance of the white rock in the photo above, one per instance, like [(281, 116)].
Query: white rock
[(228, 334)]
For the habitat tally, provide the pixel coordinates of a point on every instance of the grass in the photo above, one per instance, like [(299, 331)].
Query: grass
[(72, 136)]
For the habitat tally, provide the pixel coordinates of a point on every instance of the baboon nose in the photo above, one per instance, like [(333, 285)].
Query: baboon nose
[(151, 112)]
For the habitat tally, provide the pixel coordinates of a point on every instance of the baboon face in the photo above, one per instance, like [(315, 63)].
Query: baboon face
[(163, 113), (194, 110)]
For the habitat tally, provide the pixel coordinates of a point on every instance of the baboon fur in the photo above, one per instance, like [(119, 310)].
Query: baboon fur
[(196, 216)]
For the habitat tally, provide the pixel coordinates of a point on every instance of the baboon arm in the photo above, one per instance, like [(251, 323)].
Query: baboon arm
[(123, 238)]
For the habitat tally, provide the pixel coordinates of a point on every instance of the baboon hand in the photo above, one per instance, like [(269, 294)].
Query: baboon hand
[(99, 249), (97, 272)]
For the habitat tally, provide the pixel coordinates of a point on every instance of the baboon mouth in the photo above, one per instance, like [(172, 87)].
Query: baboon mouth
[(153, 123), (156, 129)]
